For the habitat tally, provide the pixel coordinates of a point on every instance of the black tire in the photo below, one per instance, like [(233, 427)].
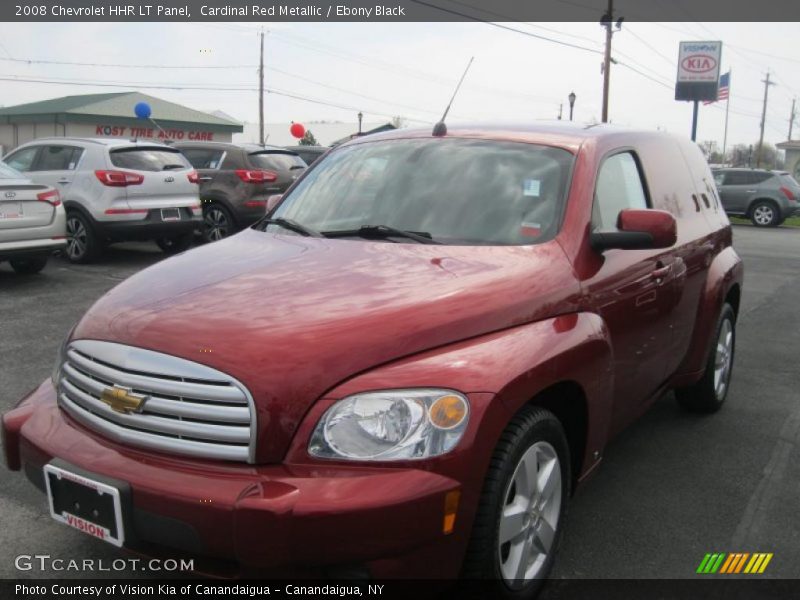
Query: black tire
[(218, 222), (531, 429), (28, 266), (708, 395), (83, 245), (765, 213), (175, 244)]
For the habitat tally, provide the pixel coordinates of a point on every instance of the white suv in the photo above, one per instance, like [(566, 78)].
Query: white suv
[(116, 190)]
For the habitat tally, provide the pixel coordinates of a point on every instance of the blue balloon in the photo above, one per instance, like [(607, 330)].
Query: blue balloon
[(142, 110)]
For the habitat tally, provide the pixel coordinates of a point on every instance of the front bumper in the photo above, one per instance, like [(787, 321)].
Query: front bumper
[(272, 518)]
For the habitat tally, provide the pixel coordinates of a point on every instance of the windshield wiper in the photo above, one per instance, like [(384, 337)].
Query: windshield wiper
[(172, 166), (292, 225), (383, 232)]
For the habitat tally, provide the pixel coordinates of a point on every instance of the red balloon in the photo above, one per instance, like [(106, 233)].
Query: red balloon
[(297, 130)]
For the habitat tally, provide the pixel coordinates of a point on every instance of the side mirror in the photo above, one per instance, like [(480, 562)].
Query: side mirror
[(638, 230), (272, 202)]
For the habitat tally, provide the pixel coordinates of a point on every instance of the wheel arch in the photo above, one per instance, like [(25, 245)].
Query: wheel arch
[(220, 198), (724, 281), (567, 401), (775, 204)]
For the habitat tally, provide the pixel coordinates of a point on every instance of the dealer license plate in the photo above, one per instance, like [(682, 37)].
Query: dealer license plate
[(170, 214), (11, 210), (89, 506)]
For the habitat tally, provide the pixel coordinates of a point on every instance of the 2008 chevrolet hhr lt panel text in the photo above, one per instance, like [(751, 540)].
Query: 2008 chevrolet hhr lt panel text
[(406, 367)]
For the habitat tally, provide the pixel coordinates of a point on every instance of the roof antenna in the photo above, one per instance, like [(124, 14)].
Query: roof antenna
[(440, 129)]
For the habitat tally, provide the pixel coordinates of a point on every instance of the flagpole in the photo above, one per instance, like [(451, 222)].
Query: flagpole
[(727, 106)]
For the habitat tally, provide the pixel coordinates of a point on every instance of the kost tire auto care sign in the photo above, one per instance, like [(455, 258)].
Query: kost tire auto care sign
[(698, 70), (153, 133)]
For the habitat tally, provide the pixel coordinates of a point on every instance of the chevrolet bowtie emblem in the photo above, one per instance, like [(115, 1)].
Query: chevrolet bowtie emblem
[(123, 400)]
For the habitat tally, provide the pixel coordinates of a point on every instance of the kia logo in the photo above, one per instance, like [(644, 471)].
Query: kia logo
[(699, 63), (11, 194), (169, 179)]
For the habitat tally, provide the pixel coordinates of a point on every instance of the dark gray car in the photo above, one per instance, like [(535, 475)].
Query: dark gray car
[(310, 154), (237, 179), (767, 198)]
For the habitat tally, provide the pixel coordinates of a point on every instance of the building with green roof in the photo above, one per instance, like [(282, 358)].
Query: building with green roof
[(110, 115)]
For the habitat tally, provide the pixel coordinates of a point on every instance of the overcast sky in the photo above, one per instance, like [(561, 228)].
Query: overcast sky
[(410, 69)]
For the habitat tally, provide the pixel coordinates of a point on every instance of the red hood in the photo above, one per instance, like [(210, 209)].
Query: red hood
[(291, 317)]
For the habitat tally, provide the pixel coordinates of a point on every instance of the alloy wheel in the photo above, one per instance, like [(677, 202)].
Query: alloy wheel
[(76, 238), (723, 358), (763, 214), (217, 224), (530, 515)]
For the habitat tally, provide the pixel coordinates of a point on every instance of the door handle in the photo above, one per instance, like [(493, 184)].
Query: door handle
[(63, 181), (751, 191), (204, 179), (661, 273)]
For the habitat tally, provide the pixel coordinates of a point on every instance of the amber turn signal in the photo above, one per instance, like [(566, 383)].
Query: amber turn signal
[(451, 499), (448, 412)]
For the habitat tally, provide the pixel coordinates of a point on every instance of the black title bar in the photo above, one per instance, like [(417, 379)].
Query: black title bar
[(264, 11)]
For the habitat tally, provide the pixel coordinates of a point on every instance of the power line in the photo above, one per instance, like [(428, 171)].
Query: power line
[(36, 61), (177, 87), (507, 28), (416, 74)]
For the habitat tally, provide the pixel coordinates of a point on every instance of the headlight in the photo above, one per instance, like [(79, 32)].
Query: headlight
[(391, 425)]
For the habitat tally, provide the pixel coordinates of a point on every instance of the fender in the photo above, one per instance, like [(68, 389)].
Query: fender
[(500, 372), (724, 272), (72, 205)]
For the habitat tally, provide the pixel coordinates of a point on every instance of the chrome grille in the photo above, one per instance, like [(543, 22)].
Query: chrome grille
[(191, 409)]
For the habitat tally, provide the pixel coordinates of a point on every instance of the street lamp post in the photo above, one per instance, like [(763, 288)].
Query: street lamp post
[(571, 99), (360, 116)]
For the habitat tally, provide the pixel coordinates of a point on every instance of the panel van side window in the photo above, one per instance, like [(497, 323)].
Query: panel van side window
[(619, 186)]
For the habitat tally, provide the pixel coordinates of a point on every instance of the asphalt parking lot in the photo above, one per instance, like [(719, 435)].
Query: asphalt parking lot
[(672, 488)]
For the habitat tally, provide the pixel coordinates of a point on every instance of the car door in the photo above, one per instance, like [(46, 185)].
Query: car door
[(633, 291), (56, 166), (735, 191), (207, 162)]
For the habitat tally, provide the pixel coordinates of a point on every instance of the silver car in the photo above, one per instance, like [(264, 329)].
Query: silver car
[(32, 221), (116, 190), (767, 198)]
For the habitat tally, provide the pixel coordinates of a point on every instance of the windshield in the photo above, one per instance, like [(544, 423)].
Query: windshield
[(7, 172), (457, 191)]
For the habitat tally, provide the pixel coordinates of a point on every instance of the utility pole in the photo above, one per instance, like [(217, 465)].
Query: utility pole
[(608, 18), (767, 83), (608, 21), (791, 120), (560, 109), (261, 93)]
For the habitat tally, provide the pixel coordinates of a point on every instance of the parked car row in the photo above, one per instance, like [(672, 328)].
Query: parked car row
[(113, 190)]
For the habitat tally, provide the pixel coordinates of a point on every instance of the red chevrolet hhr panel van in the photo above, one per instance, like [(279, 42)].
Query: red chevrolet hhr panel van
[(406, 368)]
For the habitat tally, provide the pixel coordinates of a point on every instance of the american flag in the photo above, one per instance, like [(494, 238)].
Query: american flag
[(724, 88)]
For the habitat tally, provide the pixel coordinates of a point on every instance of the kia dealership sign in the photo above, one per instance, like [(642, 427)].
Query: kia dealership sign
[(698, 70)]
